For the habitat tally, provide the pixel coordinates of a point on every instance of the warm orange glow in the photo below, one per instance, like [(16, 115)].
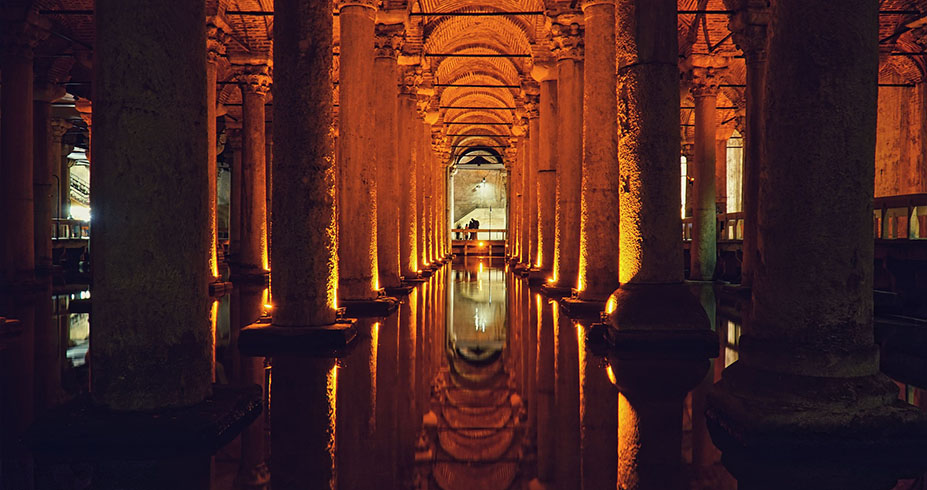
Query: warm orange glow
[(579, 283), (482, 244), (610, 305), (551, 280), (611, 374), (331, 388), (581, 350), (372, 362), (213, 327)]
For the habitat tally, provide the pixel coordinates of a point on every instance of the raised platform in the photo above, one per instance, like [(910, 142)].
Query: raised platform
[(264, 339)]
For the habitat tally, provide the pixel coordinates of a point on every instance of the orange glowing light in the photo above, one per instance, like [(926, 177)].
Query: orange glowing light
[(268, 306), (611, 375), (610, 305), (213, 326), (551, 280), (482, 244)]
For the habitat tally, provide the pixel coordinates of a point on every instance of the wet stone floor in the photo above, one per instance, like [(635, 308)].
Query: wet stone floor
[(477, 381)]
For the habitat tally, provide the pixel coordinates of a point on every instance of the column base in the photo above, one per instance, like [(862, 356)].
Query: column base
[(219, 289), (81, 431), (521, 269), (254, 478), (10, 328), (536, 277), (777, 430), (263, 339), (399, 291), (425, 273), (579, 309), (365, 308), (250, 276), (903, 356), (556, 291), (415, 280)]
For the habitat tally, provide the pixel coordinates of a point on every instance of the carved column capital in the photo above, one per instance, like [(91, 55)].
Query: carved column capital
[(748, 25), (58, 128), (255, 78), (567, 40), (705, 73), (216, 39), (388, 40), (532, 105), (410, 77), (371, 4)]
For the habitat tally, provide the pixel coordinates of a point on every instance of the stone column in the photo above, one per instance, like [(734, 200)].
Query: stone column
[(598, 248), (357, 185), (527, 182), (234, 143), (721, 172), (423, 142), (17, 251), (254, 82), (547, 175), (749, 28), (568, 41), (385, 113), (45, 159), (154, 351), (60, 168), (705, 76), (657, 354), (806, 406), (408, 222), (534, 141), (517, 183), (215, 49)]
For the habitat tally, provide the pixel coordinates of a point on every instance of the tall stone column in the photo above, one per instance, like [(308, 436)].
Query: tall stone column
[(60, 168), (529, 198), (17, 251), (423, 146), (155, 351), (386, 106), (357, 185), (547, 174), (46, 159), (534, 130), (721, 171), (254, 82), (408, 216), (806, 406), (517, 184), (749, 28), (657, 353), (705, 76), (568, 42), (215, 49), (234, 145), (598, 248)]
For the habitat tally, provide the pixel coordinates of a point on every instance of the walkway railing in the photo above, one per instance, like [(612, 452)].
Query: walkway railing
[(730, 227), (70, 229), (900, 217), (477, 234), (479, 241)]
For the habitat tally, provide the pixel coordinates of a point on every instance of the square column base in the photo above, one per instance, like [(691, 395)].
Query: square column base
[(579, 309), (263, 339), (367, 308), (399, 291)]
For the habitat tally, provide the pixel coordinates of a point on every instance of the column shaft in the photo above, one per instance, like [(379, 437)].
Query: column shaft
[(357, 205), (599, 227), (408, 223), (305, 245), (423, 142), (721, 175), (525, 250), (518, 198), (703, 252), (569, 169), (386, 105), (532, 206), (253, 257), (42, 184), (547, 175), (754, 152), (156, 350)]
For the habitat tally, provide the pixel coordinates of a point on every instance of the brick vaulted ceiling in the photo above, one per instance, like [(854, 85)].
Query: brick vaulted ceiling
[(66, 55)]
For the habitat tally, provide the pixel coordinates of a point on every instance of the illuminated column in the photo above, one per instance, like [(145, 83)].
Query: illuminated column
[(215, 48), (657, 353), (544, 372), (386, 106), (46, 154), (408, 223), (598, 417), (808, 372), (705, 74), (749, 27), (17, 252), (531, 206), (142, 139), (233, 142), (547, 175), (252, 261), (721, 170), (357, 186), (568, 38), (518, 170), (60, 168), (528, 198), (421, 132), (598, 248)]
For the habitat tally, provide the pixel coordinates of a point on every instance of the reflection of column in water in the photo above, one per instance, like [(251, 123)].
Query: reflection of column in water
[(48, 363), (17, 393), (704, 452), (390, 383), (304, 394), (530, 306), (598, 415), (252, 471), (356, 401), (545, 387), (566, 388), (408, 426)]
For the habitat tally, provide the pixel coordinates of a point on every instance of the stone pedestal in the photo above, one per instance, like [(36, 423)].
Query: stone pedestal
[(598, 248), (806, 407)]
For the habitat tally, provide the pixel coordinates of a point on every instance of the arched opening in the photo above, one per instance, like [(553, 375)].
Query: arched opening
[(477, 183)]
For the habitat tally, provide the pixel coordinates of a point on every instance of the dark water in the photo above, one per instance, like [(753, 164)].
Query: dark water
[(476, 382)]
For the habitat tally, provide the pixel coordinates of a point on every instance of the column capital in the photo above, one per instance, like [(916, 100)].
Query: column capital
[(410, 77), (370, 4), (254, 78), (567, 38), (21, 36), (59, 127), (748, 25), (47, 91), (592, 3), (388, 40), (216, 38), (532, 105), (705, 73)]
